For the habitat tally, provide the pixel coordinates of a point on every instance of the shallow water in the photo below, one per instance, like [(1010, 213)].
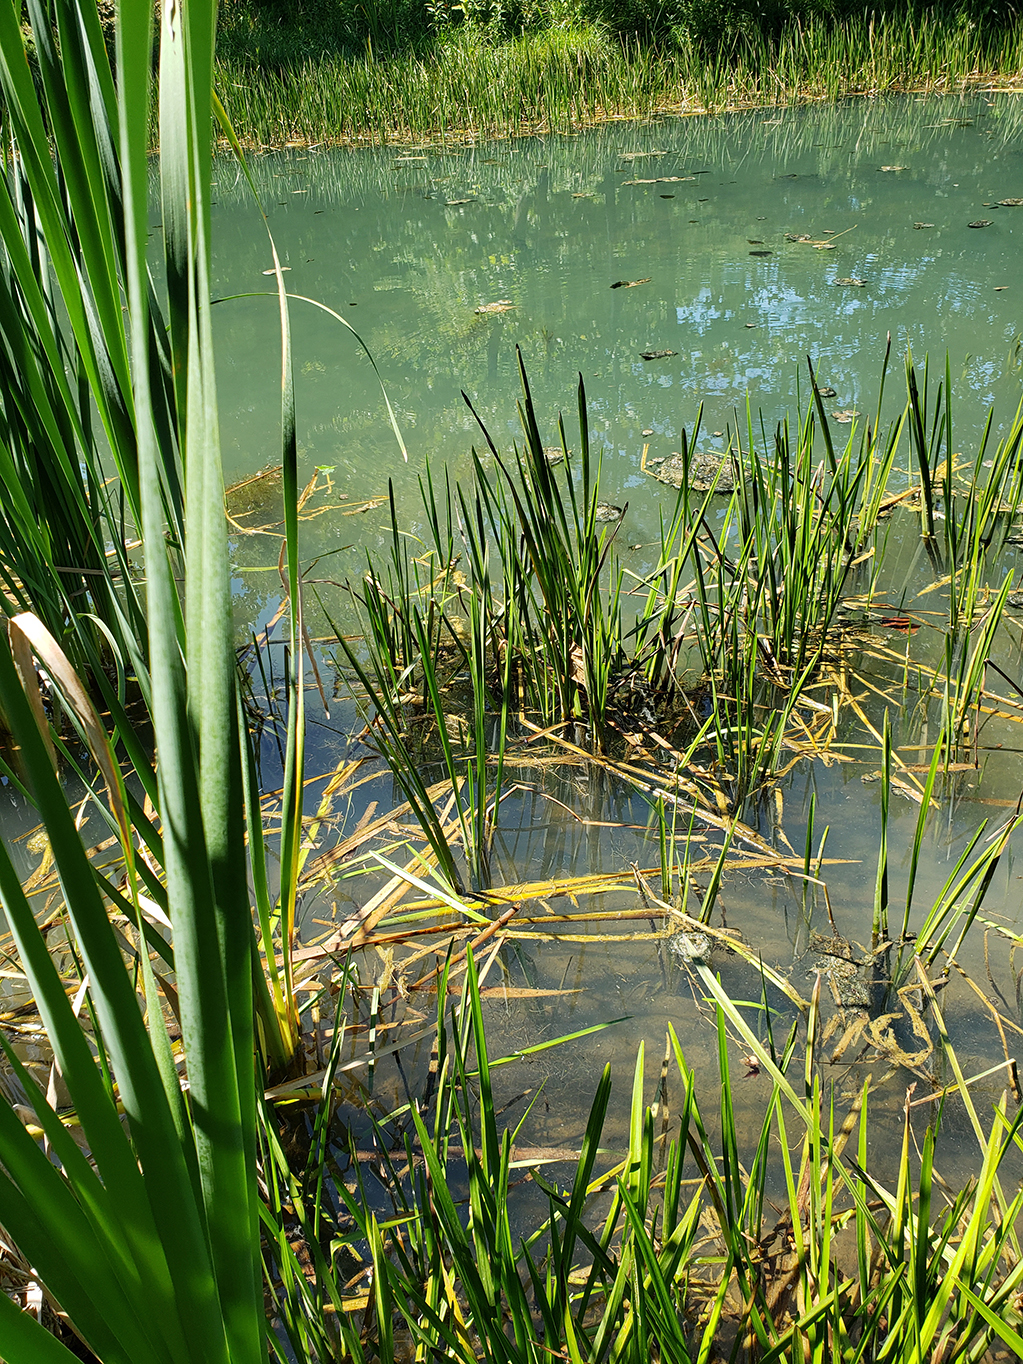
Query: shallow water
[(406, 246)]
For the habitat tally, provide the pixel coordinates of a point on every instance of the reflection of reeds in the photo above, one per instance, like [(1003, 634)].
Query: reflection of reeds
[(818, 136)]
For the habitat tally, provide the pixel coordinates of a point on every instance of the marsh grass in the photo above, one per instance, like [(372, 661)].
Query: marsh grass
[(667, 1242), (466, 84), (714, 659)]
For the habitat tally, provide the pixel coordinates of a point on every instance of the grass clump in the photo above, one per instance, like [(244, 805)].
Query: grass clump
[(724, 658)]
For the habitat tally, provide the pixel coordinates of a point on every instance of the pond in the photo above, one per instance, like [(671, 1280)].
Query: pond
[(728, 250)]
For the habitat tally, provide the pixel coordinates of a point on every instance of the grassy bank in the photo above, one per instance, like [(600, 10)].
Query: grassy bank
[(472, 80)]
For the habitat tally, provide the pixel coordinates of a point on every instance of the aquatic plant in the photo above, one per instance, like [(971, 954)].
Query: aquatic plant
[(665, 1244), (140, 1217)]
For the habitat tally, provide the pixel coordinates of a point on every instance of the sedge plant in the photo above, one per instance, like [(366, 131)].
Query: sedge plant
[(143, 1225)]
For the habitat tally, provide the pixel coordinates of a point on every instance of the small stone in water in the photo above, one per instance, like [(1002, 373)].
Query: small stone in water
[(846, 415), (827, 392), (648, 431), (606, 512)]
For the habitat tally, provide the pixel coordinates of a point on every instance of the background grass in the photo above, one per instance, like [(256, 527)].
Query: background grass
[(321, 71)]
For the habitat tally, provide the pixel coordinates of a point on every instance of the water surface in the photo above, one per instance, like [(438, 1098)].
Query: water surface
[(708, 214)]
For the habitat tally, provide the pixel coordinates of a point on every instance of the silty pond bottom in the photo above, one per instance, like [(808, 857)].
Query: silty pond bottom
[(727, 249)]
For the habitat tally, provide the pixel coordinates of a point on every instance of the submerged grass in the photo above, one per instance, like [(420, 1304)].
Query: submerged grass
[(465, 84)]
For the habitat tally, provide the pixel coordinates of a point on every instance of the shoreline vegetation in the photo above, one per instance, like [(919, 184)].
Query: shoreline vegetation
[(461, 82)]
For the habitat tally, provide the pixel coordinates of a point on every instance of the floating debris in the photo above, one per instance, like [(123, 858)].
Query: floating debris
[(553, 454), (920, 226), (656, 354), (981, 222), (754, 241), (852, 282), (845, 414), (454, 203), (827, 393), (661, 180), (606, 512), (894, 168), (1011, 203), (630, 283), (502, 305), (750, 325), (999, 288), (638, 156), (791, 237), (761, 253), (706, 471), (667, 196), (649, 431)]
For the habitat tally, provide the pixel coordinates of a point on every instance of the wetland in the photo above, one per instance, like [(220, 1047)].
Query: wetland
[(538, 878), (445, 263)]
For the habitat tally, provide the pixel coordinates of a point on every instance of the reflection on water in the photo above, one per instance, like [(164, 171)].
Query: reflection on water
[(406, 247), (760, 238)]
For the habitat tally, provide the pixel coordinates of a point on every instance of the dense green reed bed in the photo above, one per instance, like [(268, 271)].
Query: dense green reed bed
[(467, 83)]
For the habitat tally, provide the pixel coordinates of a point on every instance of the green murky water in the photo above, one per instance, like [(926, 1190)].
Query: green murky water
[(710, 215)]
